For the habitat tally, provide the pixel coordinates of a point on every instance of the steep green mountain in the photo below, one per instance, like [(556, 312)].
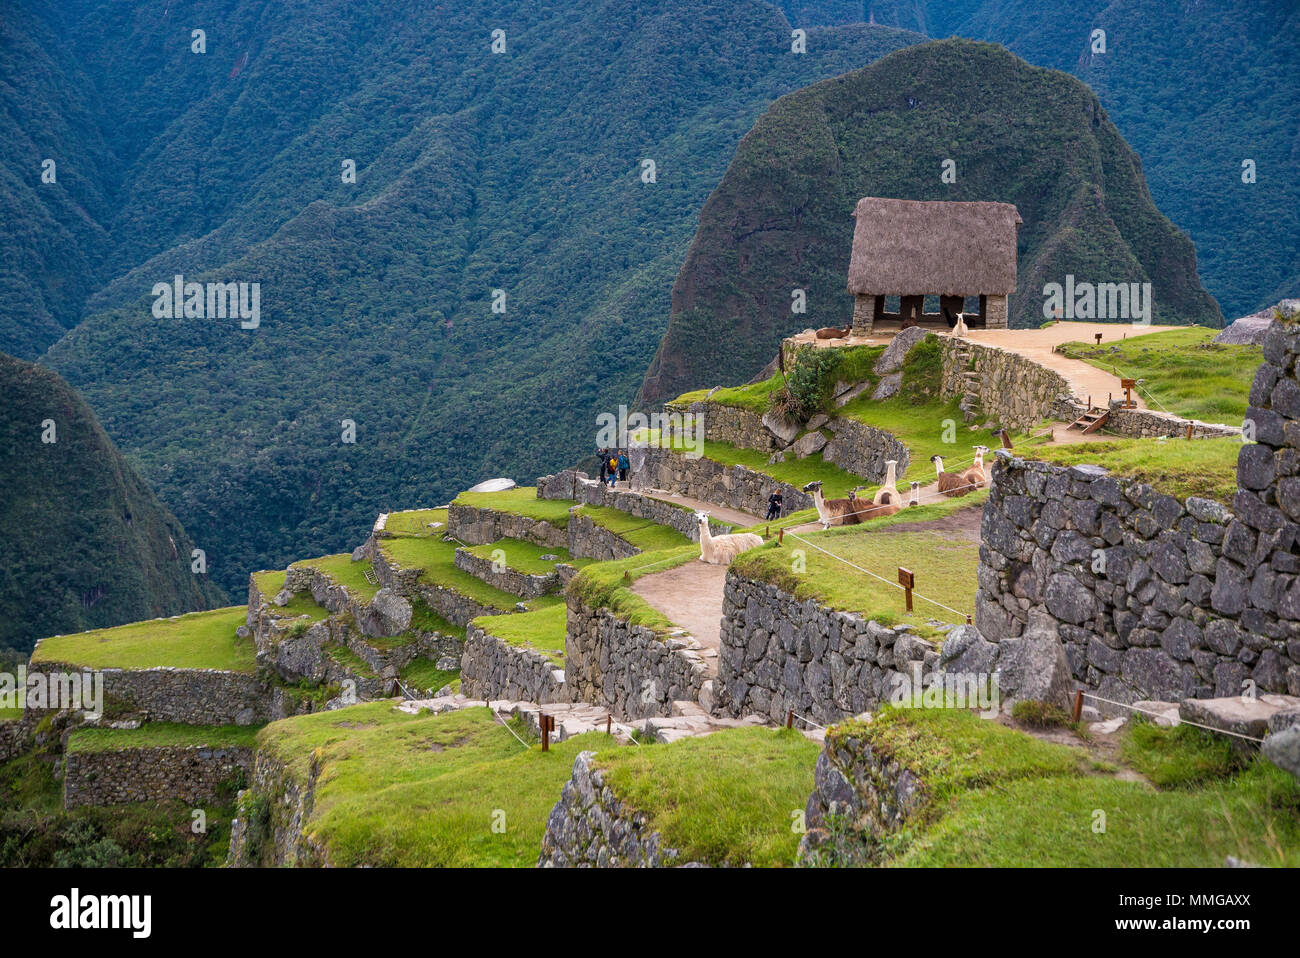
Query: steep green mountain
[(521, 171), (86, 542), (1195, 88), (782, 217)]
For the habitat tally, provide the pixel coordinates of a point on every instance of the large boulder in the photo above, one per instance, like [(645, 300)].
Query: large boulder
[(784, 428), (807, 445), (1283, 749), (891, 360), (1250, 330), (1034, 667), (1237, 713), (966, 651)]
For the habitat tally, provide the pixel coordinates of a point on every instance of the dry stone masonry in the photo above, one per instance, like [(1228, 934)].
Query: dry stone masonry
[(570, 484), (780, 653), (733, 486), (195, 774), (492, 668)]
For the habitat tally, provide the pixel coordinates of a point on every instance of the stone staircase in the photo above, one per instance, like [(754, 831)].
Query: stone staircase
[(970, 381)]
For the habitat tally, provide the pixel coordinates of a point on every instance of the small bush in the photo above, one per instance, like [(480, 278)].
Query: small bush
[(1040, 715)]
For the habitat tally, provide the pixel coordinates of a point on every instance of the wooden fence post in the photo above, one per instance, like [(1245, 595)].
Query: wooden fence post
[(906, 580)]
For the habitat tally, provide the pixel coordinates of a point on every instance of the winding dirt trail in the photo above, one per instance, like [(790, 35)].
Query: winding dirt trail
[(691, 597)]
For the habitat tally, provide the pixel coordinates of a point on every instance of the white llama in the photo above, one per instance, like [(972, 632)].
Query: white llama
[(720, 550)]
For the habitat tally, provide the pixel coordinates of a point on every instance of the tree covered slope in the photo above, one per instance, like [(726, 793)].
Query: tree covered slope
[(86, 543), (782, 217), (520, 172)]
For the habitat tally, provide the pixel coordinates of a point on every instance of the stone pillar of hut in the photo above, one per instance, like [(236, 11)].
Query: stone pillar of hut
[(995, 312), (864, 315)]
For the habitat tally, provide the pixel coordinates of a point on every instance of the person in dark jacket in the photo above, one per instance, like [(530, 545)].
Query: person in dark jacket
[(623, 465), (774, 503), (604, 464)]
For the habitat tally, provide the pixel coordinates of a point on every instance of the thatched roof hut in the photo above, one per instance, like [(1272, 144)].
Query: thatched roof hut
[(902, 247), (914, 248)]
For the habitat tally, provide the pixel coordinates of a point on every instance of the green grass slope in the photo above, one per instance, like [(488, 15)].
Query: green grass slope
[(87, 544), (781, 218), (200, 640)]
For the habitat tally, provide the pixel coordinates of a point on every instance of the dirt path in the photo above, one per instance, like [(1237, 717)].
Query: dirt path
[(741, 520), (690, 596)]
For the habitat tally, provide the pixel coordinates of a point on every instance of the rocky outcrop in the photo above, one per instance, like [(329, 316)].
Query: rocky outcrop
[(269, 829), (1251, 330), (779, 653), (492, 668), (590, 826), (196, 775), (630, 669)]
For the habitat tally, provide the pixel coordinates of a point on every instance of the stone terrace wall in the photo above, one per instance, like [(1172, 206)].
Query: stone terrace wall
[(587, 540), (16, 735), (188, 696), (492, 668), (269, 830), (1153, 598), (590, 826), (477, 527), (570, 484), (779, 653), (1151, 424), (1013, 390), (629, 669), (733, 486), (195, 775), (522, 584), (737, 427), (451, 605), (863, 450)]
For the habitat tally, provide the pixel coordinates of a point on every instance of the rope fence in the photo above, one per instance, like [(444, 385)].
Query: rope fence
[(1081, 695)]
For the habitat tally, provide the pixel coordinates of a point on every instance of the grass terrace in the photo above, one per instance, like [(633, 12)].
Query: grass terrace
[(342, 570), (722, 799), (797, 472), (851, 364), (921, 429), (423, 791), (270, 584), (417, 522), (526, 557), (1198, 810), (200, 640), (604, 585), (646, 535), (424, 674), (521, 501), (542, 630), (162, 734), (1186, 373), (436, 559), (944, 567), (1177, 467)]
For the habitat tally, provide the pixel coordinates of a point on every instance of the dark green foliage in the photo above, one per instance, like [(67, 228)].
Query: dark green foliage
[(781, 217), (476, 172), (923, 372), (809, 382), (87, 543)]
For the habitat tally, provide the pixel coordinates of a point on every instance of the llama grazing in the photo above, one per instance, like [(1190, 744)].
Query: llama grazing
[(720, 550), (888, 492), (951, 483), (834, 332)]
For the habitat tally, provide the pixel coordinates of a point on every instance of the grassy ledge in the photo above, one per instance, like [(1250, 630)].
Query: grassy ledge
[(526, 557), (722, 799), (200, 640), (604, 585), (269, 584), (1178, 467), (542, 630), (163, 734), (646, 535), (521, 501), (343, 571)]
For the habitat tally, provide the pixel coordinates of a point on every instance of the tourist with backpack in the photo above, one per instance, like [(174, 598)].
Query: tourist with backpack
[(623, 464)]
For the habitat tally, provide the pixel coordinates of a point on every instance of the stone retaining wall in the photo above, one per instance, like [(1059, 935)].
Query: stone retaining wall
[(188, 696), (587, 540), (387, 613), (16, 735), (570, 484), (1151, 597), (474, 526), (1150, 424), (590, 826), (1013, 390), (451, 605), (863, 450), (522, 584), (492, 668), (779, 653), (859, 798), (631, 670), (733, 486), (195, 775)]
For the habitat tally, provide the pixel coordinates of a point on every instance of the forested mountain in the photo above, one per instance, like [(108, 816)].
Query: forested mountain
[(1195, 88), (782, 217), (521, 171), (86, 543)]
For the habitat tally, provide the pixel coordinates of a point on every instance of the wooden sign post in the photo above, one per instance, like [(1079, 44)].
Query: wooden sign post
[(1129, 385), (548, 726), (1098, 335), (906, 580)]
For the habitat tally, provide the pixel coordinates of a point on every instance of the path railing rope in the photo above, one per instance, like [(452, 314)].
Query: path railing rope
[(1080, 695)]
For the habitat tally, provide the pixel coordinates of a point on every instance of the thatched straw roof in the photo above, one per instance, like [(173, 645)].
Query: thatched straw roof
[(910, 247)]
